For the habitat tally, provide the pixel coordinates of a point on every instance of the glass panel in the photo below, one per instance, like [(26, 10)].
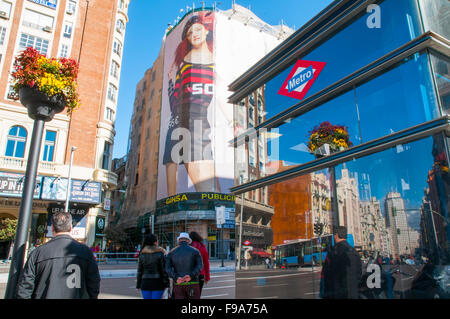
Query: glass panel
[(398, 99), (20, 149), (436, 16), (441, 66), (399, 24), (395, 216), (10, 148), (50, 136)]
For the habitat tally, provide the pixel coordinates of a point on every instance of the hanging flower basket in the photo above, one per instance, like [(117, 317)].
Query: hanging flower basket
[(45, 85), (326, 139)]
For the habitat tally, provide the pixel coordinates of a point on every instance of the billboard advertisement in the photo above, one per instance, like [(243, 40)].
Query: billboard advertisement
[(203, 53)]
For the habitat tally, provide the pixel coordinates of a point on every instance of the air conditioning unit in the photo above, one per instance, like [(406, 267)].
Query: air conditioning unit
[(3, 14), (47, 29)]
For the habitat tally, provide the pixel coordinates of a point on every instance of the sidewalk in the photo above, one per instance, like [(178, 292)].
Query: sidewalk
[(127, 270)]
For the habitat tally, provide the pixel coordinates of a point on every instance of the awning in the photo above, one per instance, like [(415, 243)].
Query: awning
[(261, 253)]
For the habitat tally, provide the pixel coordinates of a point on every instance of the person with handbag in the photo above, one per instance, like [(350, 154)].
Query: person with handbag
[(152, 278)]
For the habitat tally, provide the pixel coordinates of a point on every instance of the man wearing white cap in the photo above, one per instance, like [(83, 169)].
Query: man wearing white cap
[(184, 264)]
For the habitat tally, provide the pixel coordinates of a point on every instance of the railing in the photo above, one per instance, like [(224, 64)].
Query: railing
[(21, 164), (116, 258)]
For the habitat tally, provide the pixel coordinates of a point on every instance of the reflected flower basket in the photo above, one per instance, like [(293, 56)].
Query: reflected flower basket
[(326, 139), (51, 77)]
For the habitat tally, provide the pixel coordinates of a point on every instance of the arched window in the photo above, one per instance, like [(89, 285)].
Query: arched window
[(17, 139)]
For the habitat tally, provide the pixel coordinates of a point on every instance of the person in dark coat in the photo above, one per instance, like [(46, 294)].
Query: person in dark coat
[(60, 269), (183, 265), (152, 278), (342, 269)]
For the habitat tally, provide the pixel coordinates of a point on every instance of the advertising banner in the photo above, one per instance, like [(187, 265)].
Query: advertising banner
[(11, 185), (81, 191), (203, 54), (79, 217)]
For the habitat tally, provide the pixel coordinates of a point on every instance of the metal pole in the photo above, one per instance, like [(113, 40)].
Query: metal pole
[(69, 178), (240, 231), (26, 206), (222, 244), (334, 203)]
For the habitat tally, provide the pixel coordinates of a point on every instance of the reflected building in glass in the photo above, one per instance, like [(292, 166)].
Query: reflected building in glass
[(352, 131)]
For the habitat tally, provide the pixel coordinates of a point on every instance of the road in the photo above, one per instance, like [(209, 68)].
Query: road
[(278, 283), (221, 286)]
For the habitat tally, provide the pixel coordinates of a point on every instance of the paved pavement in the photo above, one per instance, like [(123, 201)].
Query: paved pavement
[(121, 270)]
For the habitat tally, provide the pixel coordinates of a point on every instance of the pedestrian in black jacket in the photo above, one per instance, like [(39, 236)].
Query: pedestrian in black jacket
[(60, 269), (342, 269), (152, 278), (184, 264)]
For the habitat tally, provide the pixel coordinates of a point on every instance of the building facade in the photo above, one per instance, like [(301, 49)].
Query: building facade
[(158, 200), (360, 95), (92, 33)]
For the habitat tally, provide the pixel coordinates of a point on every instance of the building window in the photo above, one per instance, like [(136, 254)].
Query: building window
[(5, 9), (68, 29), (17, 139), (49, 146), (64, 51), (117, 48), (115, 69), (37, 20), (112, 92), (71, 7), (121, 4), (120, 26), (37, 43), (109, 114), (2, 35), (106, 156)]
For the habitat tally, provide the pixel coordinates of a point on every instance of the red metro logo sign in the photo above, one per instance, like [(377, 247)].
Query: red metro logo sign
[(301, 78)]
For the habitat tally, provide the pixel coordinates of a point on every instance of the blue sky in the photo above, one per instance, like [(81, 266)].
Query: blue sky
[(148, 20)]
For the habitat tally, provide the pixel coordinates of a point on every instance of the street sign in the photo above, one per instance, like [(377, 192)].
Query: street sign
[(301, 78), (247, 242), (220, 215)]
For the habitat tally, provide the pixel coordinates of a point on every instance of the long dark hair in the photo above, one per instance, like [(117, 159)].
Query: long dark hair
[(206, 18), (196, 237), (150, 240)]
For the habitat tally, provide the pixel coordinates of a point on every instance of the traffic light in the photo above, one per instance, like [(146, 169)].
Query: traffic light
[(316, 228)]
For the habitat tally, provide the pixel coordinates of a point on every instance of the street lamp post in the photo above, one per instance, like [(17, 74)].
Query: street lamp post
[(73, 149), (240, 231)]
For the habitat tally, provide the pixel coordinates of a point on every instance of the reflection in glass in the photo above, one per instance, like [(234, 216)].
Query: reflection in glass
[(441, 66), (395, 211), (400, 24)]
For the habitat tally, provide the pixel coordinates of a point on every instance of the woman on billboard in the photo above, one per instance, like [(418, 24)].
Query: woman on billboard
[(190, 94)]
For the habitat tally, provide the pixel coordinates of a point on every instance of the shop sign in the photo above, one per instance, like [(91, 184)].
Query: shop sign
[(50, 4), (81, 191), (100, 226), (301, 78), (79, 218), (11, 185), (195, 196)]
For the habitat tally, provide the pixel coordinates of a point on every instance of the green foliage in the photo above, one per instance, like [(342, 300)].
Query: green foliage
[(116, 234), (7, 229)]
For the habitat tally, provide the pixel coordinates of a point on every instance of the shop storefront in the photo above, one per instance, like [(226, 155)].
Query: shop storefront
[(197, 212), (49, 198), (354, 132)]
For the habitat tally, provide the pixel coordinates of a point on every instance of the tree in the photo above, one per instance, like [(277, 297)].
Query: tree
[(116, 234), (7, 229)]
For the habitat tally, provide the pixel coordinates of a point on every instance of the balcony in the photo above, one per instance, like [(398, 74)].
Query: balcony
[(104, 176), (20, 165)]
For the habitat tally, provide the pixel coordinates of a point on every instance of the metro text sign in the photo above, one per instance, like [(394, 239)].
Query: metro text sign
[(301, 78)]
